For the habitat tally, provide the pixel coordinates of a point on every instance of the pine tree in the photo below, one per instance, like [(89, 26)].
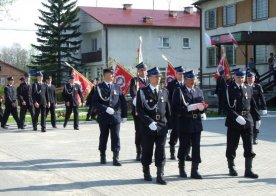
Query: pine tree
[(58, 38)]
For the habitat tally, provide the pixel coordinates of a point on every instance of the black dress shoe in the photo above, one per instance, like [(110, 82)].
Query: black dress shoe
[(43, 130), (4, 127), (76, 128), (188, 158), (55, 127)]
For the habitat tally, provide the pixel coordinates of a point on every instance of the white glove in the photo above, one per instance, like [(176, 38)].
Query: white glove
[(192, 107), (124, 120), (201, 107), (153, 126), (263, 112), (110, 110), (258, 124), (134, 101), (240, 120), (215, 95), (203, 116)]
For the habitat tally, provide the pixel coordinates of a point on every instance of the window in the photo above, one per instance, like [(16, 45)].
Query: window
[(260, 9), (229, 15), (94, 45), (186, 42), (163, 42), (212, 57), (99, 72), (231, 55), (261, 51), (211, 19)]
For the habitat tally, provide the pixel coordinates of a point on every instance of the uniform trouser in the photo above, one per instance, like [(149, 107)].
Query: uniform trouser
[(23, 111), (52, 109), (220, 102), (76, 115), (233, 137), (42, 110), (10, 110), (137, 126), (148, 141), (255, 131), (115, 136), (173, 137), (89, 112), (185, 140)]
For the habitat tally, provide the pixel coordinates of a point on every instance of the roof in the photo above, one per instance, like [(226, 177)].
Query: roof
[(134, 17), (13, 66), (200, 2)]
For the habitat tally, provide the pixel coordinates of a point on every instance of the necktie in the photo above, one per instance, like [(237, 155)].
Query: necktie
[(109, 87), (241, 90), (191, 92), (155, 93)]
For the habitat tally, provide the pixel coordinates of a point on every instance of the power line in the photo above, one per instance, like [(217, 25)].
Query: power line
[(6, 29)]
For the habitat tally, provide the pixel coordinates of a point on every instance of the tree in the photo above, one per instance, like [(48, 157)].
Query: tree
[(58, 38)]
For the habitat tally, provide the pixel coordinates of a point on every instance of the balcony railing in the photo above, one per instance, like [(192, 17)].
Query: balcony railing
[(91, 57)]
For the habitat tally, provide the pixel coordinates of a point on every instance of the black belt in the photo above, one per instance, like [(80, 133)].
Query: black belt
[(244, 113), (193, 115)]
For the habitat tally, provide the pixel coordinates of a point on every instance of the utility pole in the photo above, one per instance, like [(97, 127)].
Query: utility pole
[(152, 4)]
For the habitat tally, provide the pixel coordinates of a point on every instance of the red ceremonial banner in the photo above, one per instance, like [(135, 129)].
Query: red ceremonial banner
[(171, 73), (222, 66), (122, 77), (83, 81)]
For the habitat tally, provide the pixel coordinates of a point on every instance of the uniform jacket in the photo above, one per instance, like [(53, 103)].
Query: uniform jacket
[(172, 86), (258, 95), (117, 101), (221, 86), (188, 122), (148, 116), (10, 95), (52, 94), (40, 93), (24, 93), (71, 93), (244, 101)]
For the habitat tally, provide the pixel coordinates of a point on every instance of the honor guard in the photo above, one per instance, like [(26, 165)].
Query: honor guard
[(240, 107), (259, 98), (136, 83), (25, 100), (53, 101), (172, 86), (41, 101), (112, 110), (188, 104), (71, 91), (153, 109), (10, 104)]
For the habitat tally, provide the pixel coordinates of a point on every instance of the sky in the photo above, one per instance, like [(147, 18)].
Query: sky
[(18, 26)]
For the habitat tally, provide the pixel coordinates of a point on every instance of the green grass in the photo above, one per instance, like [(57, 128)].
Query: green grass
[(271, 108)]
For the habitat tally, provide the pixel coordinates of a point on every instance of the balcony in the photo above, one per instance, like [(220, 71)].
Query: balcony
[(91, 57)]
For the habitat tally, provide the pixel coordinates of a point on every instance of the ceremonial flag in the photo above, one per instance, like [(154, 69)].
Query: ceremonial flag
[(209, 41), (223, 67), (81, 80), (234, 41), (122, 77), (171, 73), (140, 56)]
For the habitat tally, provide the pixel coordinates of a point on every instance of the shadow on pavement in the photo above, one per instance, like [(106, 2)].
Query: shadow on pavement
[(265, 180)]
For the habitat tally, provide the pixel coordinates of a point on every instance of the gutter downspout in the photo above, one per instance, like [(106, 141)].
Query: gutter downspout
[(200, 44), (106, 45)]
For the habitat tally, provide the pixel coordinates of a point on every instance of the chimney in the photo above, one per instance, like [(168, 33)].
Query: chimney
[(188, 10), (127, 6), (147, 19), (172, 14)]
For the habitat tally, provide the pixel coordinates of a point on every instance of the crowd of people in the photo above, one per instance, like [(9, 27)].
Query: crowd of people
[(180, 107)]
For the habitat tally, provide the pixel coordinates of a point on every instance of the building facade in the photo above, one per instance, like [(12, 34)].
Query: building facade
[(7, 70), (111, 35), (251, 22)]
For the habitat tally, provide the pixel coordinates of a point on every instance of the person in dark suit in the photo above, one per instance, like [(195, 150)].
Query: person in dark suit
[(72, 93), (259, 98), (1, 108), (10, 103), (40, 100), (91, 110), (240, 107), (111, 105), (53, 101), (221, 85), (189, 106), (25, 100), (135, 84), (172, 86), (153, 109)]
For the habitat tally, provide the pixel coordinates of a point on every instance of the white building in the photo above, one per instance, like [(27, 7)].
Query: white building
[(252, 23), (112, 34)]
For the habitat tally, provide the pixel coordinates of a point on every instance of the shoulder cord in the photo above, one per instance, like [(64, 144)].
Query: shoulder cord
[(227, 96), (182, 97), (143, 99), (100, 94), (67, 90)]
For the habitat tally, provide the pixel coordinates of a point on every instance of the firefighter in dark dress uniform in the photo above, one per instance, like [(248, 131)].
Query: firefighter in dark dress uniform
[(136, 83), (10, 104), (40, 100), (153, 109), (112, 110), (221, 85), (25, 100), (188, 104), (172, 86), (71, 93), (52, 100), (259, 98), (240, 107)]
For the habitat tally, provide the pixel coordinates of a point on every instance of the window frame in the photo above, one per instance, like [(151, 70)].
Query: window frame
[(161, 42), (214, 57), (207, 21), (94, 48), (189, 43), (254, 11), (225, 15)]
